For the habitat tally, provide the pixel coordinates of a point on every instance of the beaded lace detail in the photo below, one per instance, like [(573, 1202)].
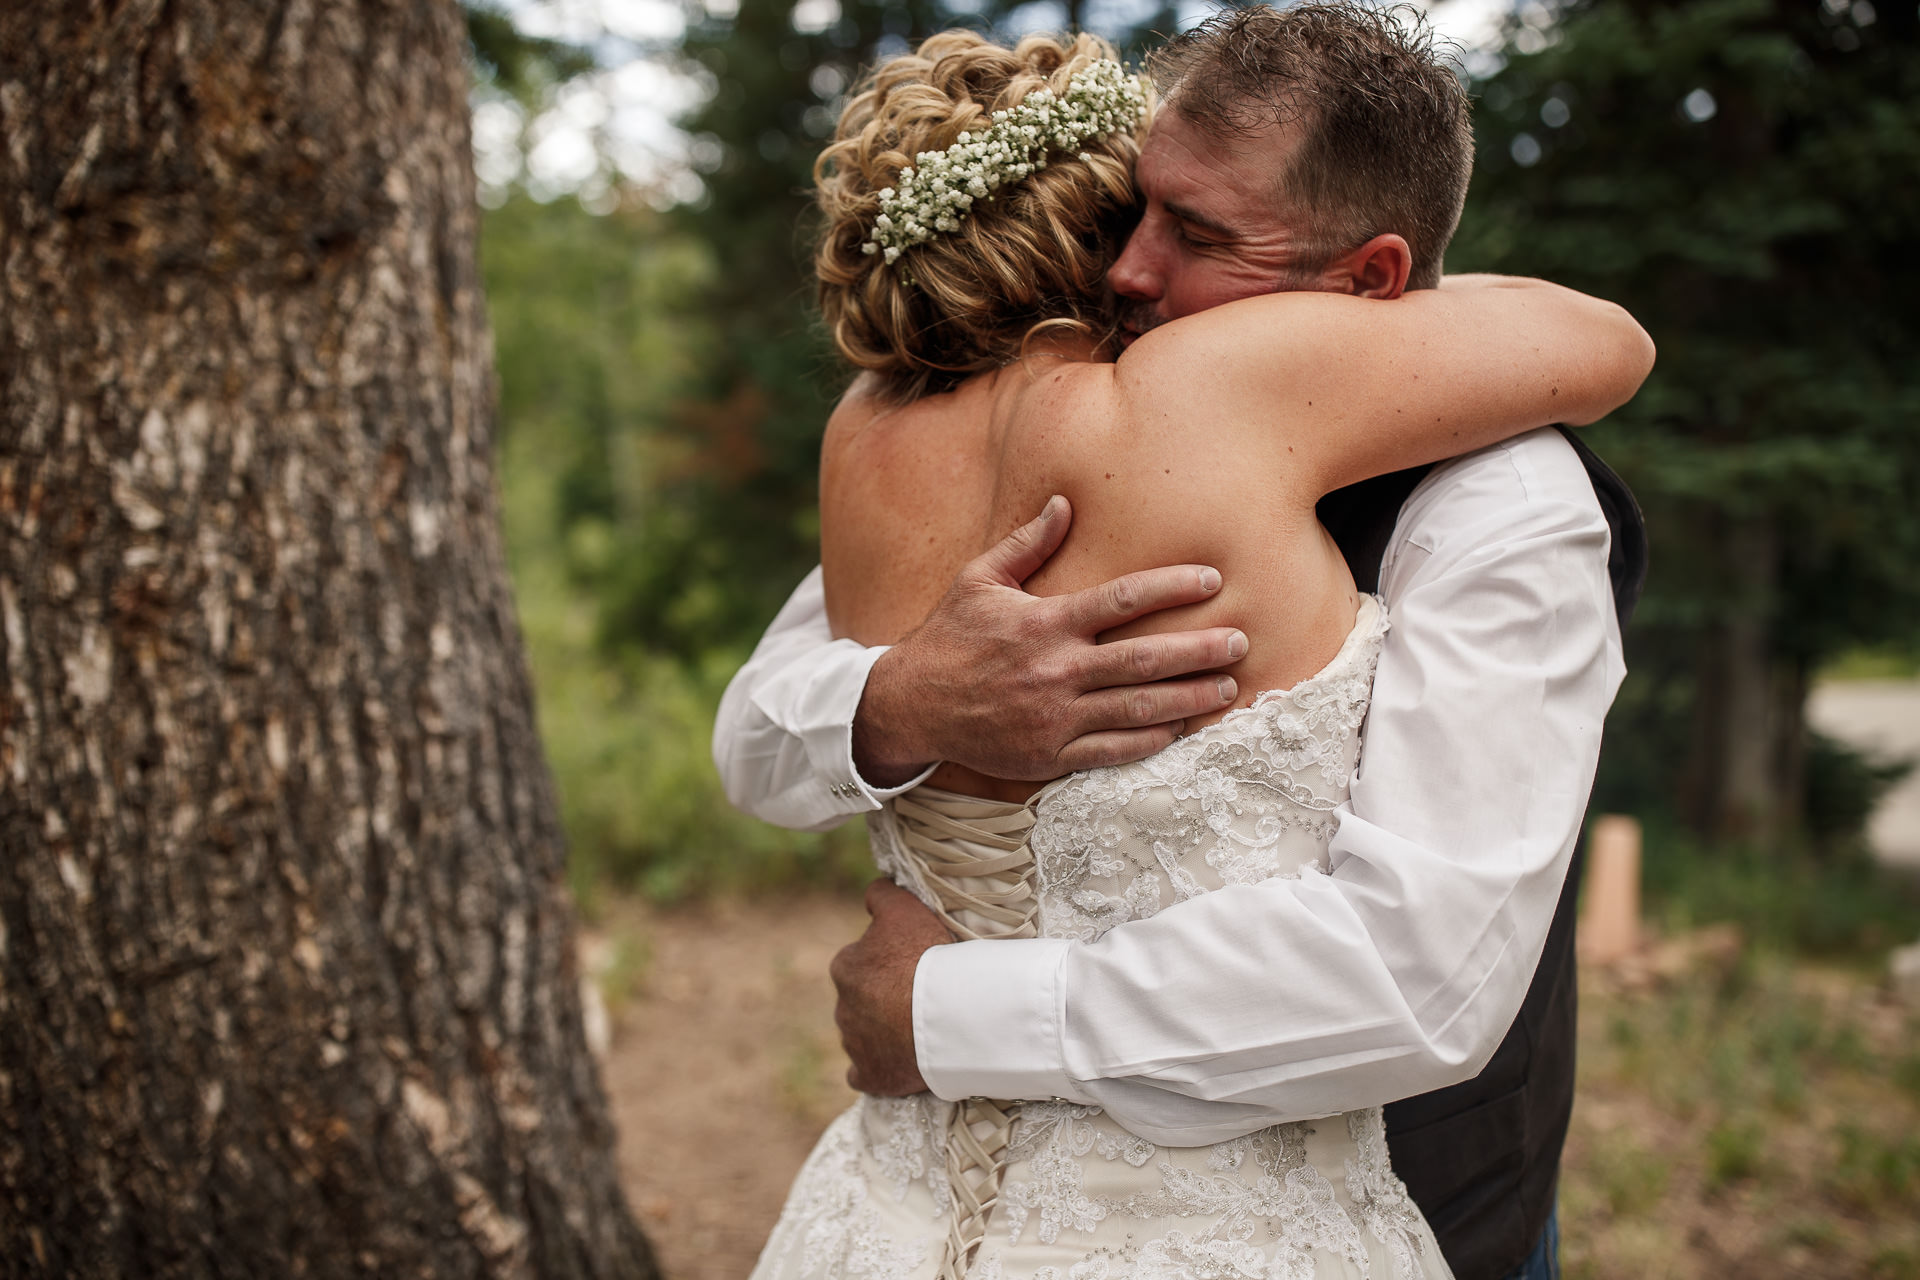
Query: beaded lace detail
[(1244, 800)]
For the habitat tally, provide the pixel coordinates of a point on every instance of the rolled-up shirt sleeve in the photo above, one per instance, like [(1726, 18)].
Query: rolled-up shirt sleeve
[(783, 738), (1401, 968)]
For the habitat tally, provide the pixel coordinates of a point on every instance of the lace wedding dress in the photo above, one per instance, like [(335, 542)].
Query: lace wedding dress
[(920, 1189)]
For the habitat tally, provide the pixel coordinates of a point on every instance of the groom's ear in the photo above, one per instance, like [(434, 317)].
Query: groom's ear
[(1377, 269)]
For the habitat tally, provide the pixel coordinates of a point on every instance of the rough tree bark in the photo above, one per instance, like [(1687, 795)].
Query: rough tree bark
[(286, 971)]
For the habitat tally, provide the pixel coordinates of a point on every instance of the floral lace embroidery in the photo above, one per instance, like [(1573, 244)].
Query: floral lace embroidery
[(1379, 1198), (1050, 1138), (828, 1222), (1245, 800), (916, 1146)]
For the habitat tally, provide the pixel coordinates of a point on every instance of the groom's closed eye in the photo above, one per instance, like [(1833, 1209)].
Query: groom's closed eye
[(1197, 229), (1199, 239)]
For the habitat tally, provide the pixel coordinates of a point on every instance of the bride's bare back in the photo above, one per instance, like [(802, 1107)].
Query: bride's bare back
[(908, 496)]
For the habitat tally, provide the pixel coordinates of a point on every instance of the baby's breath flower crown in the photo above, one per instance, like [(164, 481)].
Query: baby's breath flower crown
[(939, 188)]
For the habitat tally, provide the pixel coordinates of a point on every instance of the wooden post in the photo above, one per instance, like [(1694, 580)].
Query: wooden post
[(1610, 913)]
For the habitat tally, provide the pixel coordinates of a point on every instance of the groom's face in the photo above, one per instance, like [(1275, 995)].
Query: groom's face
[(1215, 228)]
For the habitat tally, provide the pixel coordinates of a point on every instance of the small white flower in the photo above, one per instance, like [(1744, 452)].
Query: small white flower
[(934, 196)]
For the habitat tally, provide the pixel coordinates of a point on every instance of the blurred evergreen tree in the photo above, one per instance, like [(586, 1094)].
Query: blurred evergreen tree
[(516, 64), (733, 531), (1740, 175), (592, 355)]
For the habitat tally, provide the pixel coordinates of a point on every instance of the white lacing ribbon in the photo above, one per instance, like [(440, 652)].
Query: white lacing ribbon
[(955, 838), (971, 856)]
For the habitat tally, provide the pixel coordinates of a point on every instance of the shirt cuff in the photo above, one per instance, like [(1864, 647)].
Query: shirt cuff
[(987, 1019), (823, 721)]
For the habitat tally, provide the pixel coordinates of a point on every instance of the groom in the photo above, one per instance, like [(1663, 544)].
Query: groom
[(1434, 964)]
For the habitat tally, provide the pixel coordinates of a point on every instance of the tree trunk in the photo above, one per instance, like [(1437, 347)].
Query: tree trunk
[(1747, 776), (286, 970)]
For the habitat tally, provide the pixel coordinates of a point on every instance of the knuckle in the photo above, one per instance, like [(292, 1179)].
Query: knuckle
[(1146, 657), (1124, 595), (1139, 707), (1032, 680)]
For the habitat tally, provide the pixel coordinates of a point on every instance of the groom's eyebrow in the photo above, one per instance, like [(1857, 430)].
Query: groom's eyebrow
[(1198, 219)]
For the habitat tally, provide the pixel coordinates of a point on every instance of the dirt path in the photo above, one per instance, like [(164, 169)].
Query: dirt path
[(725, 1067)]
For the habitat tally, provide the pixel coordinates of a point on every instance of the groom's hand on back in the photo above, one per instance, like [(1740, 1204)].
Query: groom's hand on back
[(1017, 686)]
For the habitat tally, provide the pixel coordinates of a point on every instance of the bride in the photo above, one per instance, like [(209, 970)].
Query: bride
[(975, 197)]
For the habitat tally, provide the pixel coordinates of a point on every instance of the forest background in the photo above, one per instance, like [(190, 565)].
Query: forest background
[(1720, 167)]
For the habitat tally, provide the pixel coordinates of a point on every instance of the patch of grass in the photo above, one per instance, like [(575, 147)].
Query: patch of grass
[(1755, 1127), (1813, 1233), (1886, 662), (803, 1084), (1906, 1072), (626, 970), (1784, 1039), (1632, 1177), (1877, 1169), (1734, 1151), (1841, 905), (1847, 1047), (1895, 1263)]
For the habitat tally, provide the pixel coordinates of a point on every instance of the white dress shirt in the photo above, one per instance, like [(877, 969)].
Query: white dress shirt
[(1397, 973)]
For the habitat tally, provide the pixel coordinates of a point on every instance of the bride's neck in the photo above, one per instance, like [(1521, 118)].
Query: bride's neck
[(1060, 344)]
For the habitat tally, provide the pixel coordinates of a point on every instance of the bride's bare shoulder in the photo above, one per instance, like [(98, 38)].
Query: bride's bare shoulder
[(1058, 413), (859, 406)]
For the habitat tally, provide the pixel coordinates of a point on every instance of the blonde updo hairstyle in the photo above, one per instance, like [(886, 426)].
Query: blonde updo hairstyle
[(1032, 257)]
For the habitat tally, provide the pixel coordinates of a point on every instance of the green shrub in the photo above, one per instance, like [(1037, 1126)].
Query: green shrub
[(1842, 905)]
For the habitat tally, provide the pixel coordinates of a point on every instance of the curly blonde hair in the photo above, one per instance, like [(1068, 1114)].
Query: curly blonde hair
[(1033, 257)]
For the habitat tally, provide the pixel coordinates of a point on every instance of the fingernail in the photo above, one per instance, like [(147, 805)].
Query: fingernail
[(1228, 688), (1209, 580), (1237, 645)]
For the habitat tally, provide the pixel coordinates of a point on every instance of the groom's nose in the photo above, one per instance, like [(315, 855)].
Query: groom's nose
[(1137, 273)]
